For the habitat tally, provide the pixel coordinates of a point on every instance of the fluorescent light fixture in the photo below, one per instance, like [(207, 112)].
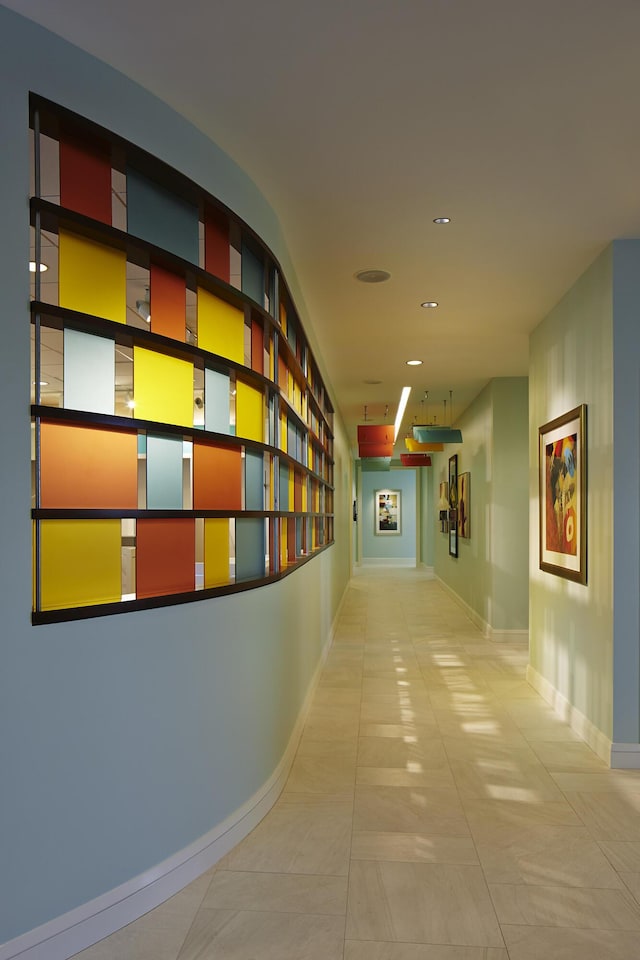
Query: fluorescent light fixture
[(429, 304), (442, 220), (402, 406), (414, 363), (32, 266)]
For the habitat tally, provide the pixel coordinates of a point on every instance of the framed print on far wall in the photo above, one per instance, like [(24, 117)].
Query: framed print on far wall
[(387, 513), (464, 518), (562, 471), (453, 505)]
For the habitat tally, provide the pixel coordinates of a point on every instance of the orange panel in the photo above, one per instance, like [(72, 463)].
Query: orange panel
[(217, 477), (168, 294), (86, 468), (165, 557), (85, 180)]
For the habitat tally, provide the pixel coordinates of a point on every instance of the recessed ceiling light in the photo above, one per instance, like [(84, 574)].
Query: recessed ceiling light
[(442, 220), (429, 303), (372, 276), (32, 266), (414, 363)]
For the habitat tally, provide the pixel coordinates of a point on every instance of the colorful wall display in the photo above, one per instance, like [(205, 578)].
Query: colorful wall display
[(182, 436)]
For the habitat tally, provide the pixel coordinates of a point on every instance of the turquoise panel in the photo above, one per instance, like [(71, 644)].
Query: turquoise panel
[(250, 562), (284, 487), (254, 481), (89, 372), (164, 473), (160, 217), (252, 275), (216, 402)]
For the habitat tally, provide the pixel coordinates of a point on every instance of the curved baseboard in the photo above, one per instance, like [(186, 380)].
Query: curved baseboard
[(85, 925)]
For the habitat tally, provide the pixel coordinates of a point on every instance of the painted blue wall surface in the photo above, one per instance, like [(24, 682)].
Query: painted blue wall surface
[(402, 547), (124, 739)]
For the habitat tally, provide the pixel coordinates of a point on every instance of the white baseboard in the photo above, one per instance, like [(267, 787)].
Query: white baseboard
[(625, 756), (85, 925), (592, 735), (389, 562), (487, 631)]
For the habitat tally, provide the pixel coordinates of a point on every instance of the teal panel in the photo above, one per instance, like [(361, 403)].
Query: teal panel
[(254, 481), (160, 217), (164, 473), (284, 487), (216, 402), (142, 444), (252, 275), (89, 372), (250, 562)]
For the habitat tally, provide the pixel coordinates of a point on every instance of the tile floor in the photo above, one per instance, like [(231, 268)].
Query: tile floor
[(437, 809)]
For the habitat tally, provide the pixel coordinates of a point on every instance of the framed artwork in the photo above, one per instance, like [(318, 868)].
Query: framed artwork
[(387, 513), (464, 513), (453, 505), (562, 469), (444, 521), (444, 492)]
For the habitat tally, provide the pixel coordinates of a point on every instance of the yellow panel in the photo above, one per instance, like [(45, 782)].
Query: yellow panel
[(80, 562), (249, 412), (292, 487), (304, 494), (220, 327), (162, 388), (92, 278), (283, 432), (283, 544), (216, 552)]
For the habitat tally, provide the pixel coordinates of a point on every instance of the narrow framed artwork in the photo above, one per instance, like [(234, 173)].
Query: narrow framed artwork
[(387, 513), (464, 505), (562, 468), (453, 505)]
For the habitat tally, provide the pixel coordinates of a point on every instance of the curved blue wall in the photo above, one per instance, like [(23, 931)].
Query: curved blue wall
[(126, 739)]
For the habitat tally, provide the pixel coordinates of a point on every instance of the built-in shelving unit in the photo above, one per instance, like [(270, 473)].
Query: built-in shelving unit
[(182, 437)]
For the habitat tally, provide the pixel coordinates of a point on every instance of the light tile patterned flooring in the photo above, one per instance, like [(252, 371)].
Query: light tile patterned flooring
[(437, 809)]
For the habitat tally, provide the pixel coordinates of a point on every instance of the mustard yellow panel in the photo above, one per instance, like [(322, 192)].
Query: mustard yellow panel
[(249, 412), (216, 552), (283, 432), (304, 494), (220, 327), (283, 544), (292, 487), (92, 278), (80, 563), (162, 388)]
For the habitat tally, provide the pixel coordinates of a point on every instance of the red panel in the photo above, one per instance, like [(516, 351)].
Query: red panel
[(376, 434), (165, 557), (415, 460), (375, 449), (168, 293), (85, 180), (217, 477), (216, 245), (257, 347)]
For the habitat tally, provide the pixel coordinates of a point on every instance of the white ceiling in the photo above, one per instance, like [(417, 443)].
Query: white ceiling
[(362, 120)]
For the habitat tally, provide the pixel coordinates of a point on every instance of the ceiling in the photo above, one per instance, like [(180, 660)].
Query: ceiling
[(363, 120)]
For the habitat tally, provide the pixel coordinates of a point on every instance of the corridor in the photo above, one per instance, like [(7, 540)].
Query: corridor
[(437, 809)]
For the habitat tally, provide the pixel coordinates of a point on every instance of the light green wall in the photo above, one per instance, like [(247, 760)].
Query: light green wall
[(126, 738), (571, 625), (490, 572)]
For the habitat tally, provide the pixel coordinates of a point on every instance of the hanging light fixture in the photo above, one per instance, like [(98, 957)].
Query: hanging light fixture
[(143, 307), (438, 434)]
